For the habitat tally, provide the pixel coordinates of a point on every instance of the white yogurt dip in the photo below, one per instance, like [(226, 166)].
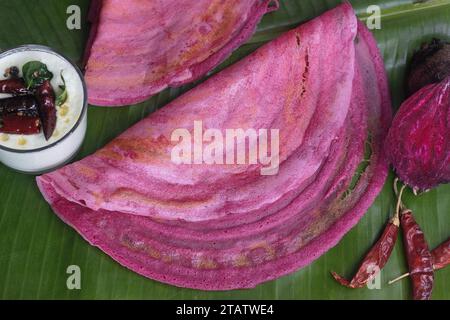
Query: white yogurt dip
[(33, 153)]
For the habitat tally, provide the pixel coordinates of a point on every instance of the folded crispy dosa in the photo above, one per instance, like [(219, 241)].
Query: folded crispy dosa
[(140, 47), (218, 227)]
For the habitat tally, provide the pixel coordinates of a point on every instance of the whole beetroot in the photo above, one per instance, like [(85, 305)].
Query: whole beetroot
[(418, 143), (430, 64)]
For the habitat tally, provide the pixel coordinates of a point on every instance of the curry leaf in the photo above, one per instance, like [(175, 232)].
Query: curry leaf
[(62, 97), (35, 73)]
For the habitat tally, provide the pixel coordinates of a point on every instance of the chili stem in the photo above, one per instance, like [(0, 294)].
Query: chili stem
[(399, 278), (400, 204)]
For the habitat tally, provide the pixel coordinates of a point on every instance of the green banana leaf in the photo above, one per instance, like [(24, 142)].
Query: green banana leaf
[(36, 247)]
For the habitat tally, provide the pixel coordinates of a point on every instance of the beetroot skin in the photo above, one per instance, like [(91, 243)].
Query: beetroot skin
[(418, 143)]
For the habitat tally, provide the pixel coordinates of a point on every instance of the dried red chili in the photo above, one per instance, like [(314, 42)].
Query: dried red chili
[(19, 115), (47, 110), (13, 86), (375, 259), (20, 124), (419, 257), (378, 256), (441, 255), (22, 105)]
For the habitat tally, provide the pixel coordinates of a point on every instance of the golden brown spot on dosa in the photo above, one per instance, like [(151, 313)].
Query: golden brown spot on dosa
[(271, 253), (140, 247), (203, 45), (108, 153), (222, 28), (86, 171), (166, 258), (206, 263), (298, 242), (97, 196), (152, 252), (324, 219), (241, 261), (289, 108), (147, 150), (134, 196), (127, 242), (294, 93)]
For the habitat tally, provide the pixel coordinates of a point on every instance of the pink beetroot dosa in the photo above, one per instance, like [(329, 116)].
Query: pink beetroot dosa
[(139, 161), (139, 47), (217, 227)]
